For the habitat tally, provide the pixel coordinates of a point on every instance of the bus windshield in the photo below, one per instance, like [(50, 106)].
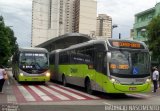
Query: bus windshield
[(35, 61), (127, 63)]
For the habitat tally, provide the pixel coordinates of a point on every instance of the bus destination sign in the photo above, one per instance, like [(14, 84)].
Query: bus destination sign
[(125, 44)]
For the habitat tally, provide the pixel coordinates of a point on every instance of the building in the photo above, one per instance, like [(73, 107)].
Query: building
[(142, 19), (52, 18), (104, 26), (131, 33)]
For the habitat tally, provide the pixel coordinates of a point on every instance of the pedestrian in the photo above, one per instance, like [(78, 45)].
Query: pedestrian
[(155, 78), (2, 77)]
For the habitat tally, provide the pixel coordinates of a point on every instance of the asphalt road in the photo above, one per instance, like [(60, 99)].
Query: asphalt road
[(16, 99)]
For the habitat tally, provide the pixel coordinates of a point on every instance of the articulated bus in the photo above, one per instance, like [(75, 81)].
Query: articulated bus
[(31, 64), (111, 66)]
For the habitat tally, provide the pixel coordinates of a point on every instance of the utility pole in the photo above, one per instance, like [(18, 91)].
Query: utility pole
[(113, 26), (119, 35)]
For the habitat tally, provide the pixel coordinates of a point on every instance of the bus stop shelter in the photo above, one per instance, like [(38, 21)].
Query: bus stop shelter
[(64, 41)]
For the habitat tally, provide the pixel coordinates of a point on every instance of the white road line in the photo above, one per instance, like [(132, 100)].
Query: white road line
[(139, 95), (55, 93), (26, 94), (67, 92), (106, 103), (91, 96), (40, 93), (144, 95)]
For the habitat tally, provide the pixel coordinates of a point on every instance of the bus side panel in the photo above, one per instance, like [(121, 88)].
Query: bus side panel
[(76, 73), (80, 72), (63, 70), (54, 74)]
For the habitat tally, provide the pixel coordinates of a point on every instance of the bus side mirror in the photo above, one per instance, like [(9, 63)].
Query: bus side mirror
[(109, 56)]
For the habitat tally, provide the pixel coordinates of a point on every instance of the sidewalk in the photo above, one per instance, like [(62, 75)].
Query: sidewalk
[(8, 95)]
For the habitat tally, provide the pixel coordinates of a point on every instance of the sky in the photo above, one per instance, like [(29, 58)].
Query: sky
[(18, 16)]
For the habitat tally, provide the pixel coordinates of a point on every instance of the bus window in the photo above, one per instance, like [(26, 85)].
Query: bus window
[(140, 61), (63, 58), (120, 62), (99, 62), (99, 52), (85, 55)]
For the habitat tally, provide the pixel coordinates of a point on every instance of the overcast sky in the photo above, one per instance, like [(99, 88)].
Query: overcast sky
[(18, 15)]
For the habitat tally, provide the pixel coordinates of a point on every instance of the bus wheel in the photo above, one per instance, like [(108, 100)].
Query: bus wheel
[(88, 86), (64, 82)]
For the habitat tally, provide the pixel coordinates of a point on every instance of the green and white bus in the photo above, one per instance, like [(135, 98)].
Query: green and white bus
[(31, 64), (111, 66)]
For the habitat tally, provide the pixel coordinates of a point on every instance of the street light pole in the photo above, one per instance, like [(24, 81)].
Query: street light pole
[(113, 26)]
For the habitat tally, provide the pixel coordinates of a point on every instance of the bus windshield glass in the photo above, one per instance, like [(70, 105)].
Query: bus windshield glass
[(35, 61), (127, 63)]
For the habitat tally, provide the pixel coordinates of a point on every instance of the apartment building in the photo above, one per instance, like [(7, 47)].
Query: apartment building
[(52, 18), (142, 19), (104, 26)]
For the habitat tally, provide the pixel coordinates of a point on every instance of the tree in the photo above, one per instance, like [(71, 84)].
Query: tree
[(7, 42), (154, 38)]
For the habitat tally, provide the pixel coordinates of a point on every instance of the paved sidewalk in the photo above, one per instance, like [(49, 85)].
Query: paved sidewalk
[(8, 95)]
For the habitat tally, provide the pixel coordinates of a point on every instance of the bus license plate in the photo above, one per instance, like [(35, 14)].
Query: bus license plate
[(34, 78), (132, 88)]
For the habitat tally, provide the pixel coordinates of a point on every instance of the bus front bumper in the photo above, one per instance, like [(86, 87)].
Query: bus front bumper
[(33, 78), (119, 88)]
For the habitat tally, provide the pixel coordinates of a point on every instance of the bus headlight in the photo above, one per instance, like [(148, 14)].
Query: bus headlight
[(114, 81), (48, 74), (148, 80), (21, 74)]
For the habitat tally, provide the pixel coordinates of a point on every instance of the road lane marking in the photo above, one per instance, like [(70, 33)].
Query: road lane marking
[(54, 93), (82, 93), (67, 92), (26, 94), (106, 103), (40, 93), (139, 95)]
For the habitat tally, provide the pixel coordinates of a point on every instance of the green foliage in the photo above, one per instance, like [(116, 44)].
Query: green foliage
[(7, 42), (154, 38)]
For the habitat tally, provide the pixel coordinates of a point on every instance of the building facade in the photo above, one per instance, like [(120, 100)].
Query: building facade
[(52, 18), (131, 33), (104, 26), (142, 19)]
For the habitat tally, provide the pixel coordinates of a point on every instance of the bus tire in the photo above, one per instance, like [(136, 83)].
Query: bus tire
[(88, 86), (64, 82)]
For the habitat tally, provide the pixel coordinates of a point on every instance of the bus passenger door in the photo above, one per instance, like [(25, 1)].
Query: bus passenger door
[(100, 70)]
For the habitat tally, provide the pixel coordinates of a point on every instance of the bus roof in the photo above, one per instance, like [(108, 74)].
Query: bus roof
[(102, 42), (32, 49), (80, 45)]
